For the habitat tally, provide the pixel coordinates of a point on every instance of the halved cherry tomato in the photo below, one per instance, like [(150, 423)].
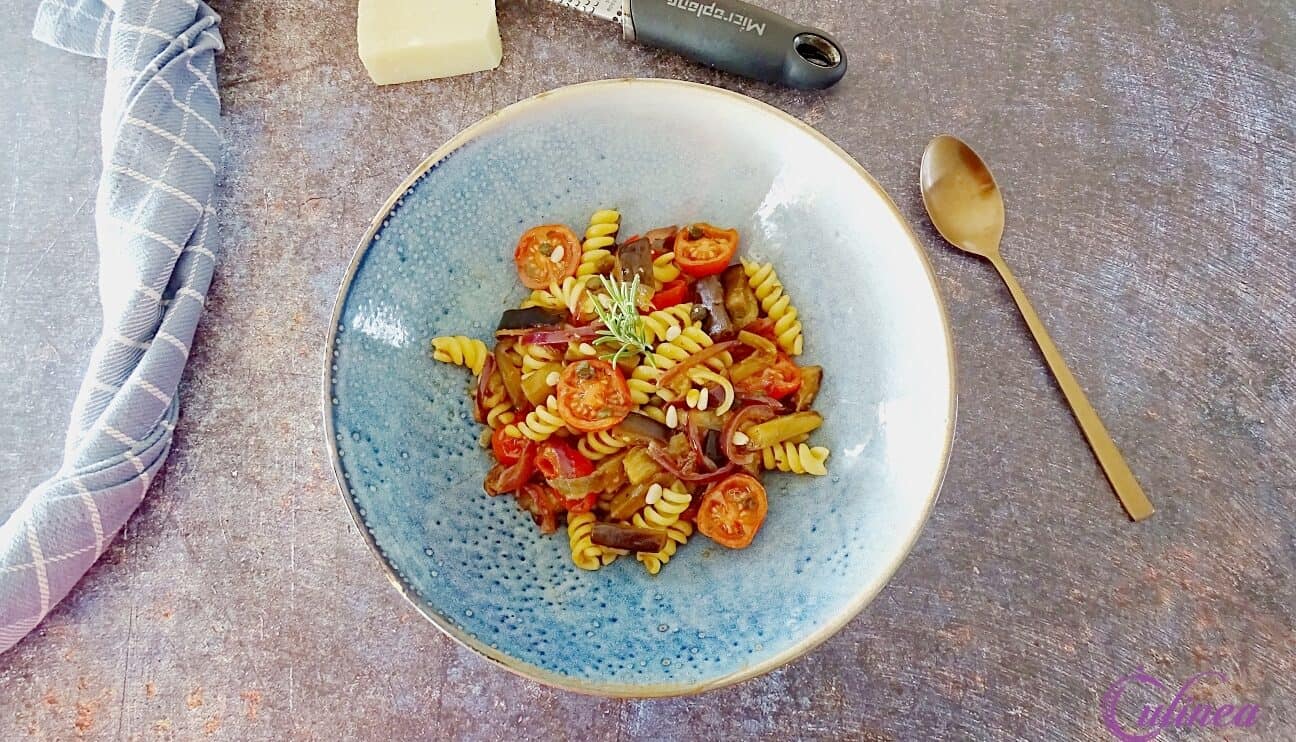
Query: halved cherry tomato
[(672, 293), (508, 448), (776, 381), (592, 395), (703, 250), (559, 459), (732, 511), (538, 257)]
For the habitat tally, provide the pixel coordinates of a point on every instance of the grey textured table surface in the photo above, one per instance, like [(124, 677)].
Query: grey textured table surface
[(1147, 154)]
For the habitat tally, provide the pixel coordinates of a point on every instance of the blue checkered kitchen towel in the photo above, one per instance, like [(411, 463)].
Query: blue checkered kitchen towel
[(153, 217)]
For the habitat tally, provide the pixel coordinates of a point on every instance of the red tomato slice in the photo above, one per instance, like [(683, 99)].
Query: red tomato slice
[(703, 250), (508, 448), (546, 255), (559, 459), (592, 395), (672, 293), (776, 381), (732, 511)]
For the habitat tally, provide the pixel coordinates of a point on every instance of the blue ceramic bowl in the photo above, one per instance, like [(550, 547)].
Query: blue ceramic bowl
[(438, 260)]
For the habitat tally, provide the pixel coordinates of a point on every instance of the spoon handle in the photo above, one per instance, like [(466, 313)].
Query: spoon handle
[(1109, 457)]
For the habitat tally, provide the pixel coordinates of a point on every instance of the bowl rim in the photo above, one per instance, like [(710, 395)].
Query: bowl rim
[(540, 674)]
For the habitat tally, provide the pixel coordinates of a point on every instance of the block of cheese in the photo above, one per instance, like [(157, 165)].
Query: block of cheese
[(405, 40)]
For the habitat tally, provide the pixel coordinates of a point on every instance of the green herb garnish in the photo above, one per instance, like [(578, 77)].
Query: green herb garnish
[(621, 319)]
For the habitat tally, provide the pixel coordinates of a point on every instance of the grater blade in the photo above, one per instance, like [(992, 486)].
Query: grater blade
[(608, 10)]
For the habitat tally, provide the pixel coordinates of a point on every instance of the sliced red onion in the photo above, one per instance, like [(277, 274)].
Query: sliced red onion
[(562, 336), (665, 461), (752, 413), (696, 441)]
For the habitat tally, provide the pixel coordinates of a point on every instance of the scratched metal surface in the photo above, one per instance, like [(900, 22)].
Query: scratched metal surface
[(1147, 153)]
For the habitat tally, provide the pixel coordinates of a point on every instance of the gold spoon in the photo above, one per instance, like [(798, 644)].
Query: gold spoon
[(964, 203)]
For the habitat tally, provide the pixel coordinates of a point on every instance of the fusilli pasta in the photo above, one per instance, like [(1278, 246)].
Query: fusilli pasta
[(776, 305), (536, 357), (595, 446), (664, 509), (541, 423), (584, 553), (461, 351), (499, 409), (677, 534), (600, 236), (663, 322), (796, 458), (563, 422), (664, 268)]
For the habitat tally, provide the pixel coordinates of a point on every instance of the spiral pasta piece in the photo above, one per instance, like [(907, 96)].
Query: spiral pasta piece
[(796, 458), (657, 325), (708, 378), (677, 534), (572, 296), (545, 299), (541, 423), (665, 511), (578, 350), (535, 357), (584, 553), (600, 236), (643, 383), (654, 411), (499, 409), (461, 351), (595, 446), (690, 340), (664, 268), (776, 304)]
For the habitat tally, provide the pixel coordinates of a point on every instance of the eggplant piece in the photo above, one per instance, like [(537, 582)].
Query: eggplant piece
[(739, 299), (811, 378), (641, 427), (629, 538), (635, 259), (712, 296), (510, 373), (662, 239), (532, 317)]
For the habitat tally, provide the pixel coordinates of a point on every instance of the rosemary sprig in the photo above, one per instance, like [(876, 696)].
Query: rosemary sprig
[(621, 319)]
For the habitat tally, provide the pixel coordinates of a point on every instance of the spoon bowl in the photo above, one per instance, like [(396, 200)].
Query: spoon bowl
[(961, 196)]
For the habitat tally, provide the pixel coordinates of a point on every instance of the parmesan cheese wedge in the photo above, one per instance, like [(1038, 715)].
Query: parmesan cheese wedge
[(406, 40)]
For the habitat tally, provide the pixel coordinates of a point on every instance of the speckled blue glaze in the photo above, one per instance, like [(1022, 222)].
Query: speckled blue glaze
[(439, 262)]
